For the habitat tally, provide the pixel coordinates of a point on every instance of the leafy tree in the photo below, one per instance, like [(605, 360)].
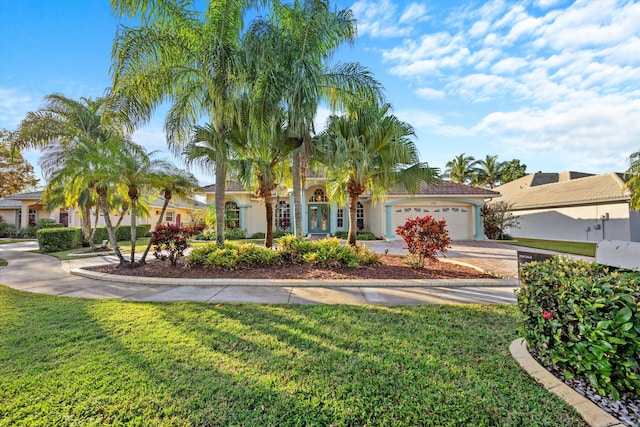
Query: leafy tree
[(303, 36), (488, 172), (59, 125), (498, 217), (184, 57), (369, 149), (512, 170), (16, 173), (461, 169), (632, 175)]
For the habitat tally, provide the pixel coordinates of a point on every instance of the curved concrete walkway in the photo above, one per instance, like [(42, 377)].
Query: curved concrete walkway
[(45, 274)]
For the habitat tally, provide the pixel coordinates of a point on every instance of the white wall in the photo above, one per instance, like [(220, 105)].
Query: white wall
[(571, 223)]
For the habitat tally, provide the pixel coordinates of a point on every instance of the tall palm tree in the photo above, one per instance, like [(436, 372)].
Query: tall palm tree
[(632, 175), (172, 182), (207, 149), (304, 36), (461, 169), (59, 125), (370, 149), (488, 171), (186, 58)]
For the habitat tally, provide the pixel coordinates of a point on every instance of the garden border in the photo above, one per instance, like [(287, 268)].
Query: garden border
[(589, 411)]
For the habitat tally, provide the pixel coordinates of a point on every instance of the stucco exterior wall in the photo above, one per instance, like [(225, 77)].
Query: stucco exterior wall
[(577, 223)]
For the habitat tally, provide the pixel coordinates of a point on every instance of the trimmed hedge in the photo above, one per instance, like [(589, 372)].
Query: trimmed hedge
[(62, 239), (58, 239), (583, 318)]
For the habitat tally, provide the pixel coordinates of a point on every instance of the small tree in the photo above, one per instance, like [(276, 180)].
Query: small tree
[(425, 238), (497, 217)]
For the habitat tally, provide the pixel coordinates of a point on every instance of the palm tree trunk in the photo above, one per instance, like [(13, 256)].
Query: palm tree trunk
[(102, 197), (268, 204), (353, 229), (134, 231), (87, 232), (221, 176), (297, 194), (95, 223), (167, 198)]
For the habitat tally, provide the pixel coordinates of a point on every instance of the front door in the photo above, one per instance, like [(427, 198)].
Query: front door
[(318, 218)]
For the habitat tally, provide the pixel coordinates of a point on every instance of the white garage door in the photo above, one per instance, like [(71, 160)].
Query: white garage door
[(459, 219)]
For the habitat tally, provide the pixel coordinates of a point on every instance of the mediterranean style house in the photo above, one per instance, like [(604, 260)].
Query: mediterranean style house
[(458, 204), (572, 206), (26, 209)]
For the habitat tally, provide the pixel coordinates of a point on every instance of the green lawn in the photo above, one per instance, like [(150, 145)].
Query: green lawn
[(577, 248), (74, 361)]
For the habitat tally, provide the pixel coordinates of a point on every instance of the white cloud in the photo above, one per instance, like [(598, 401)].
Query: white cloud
[(592, 135), (429, 93), (380, 18), (509, 65), (14, 106), (413, 12)]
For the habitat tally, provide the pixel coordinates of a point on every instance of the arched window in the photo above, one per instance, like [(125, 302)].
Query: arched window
[(360, 216), (318, 196), (232, 214), (283, 216)]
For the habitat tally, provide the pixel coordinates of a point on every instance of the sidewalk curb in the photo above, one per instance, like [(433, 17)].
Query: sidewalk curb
[(593, 415), (386, 283)]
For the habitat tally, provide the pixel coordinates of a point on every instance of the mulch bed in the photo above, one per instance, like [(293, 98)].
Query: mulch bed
[(392, 267)]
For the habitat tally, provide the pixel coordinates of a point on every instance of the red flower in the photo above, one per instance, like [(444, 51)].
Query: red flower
[(547, 314)]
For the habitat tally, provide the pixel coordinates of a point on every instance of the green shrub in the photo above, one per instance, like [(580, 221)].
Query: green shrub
[(584, 318), (258, 236), (58, 239), (123, 233), (235, 234), (279, 233), (7, 230), (47, 223), (291, 250), (100, 234), (360, 235)]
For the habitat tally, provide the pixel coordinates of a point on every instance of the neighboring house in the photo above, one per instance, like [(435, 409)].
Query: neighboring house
[(572, 206), (25, 209), (458, 204)]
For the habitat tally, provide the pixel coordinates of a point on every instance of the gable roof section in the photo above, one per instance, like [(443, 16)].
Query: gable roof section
[(584, 189)]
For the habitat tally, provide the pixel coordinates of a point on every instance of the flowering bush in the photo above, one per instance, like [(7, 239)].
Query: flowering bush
[(425, 238), (583, 318), (169, 241)]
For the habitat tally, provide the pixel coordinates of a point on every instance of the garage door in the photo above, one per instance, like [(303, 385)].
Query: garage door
[(459, 219)]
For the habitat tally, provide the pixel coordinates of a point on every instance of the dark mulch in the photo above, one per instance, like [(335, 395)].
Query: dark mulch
[(392, 267)]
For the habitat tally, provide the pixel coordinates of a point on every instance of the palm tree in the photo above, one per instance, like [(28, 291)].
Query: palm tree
[(488, 171), (186, 58), (138, 174), (207, 149), (171, 182), (370, 149), (632, 175), (461, 169), (303, 37), (60, 125)]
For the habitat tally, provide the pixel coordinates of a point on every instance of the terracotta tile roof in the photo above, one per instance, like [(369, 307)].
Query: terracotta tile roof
[(576, 189), (230, 186), (448, 188)]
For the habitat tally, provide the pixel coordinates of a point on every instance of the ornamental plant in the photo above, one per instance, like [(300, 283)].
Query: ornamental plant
[(170, 241), (583, 318), (425, 237)]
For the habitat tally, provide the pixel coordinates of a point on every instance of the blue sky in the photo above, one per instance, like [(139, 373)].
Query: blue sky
[(553, 83)]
